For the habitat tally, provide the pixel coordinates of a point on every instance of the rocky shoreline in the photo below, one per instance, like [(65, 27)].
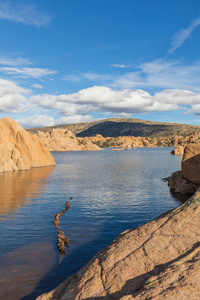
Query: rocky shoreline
[(64, 140), (159, 260)]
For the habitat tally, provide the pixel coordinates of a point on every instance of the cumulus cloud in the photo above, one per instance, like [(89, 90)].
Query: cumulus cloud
[(101, 99), (183, 34), (25, 14), (37, 120), (80, 106), (12, 97), (27, 72), (194, 109)]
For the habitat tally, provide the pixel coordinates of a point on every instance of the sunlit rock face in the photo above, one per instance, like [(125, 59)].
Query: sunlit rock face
[(159, 260), (19, 149), (64, 140)]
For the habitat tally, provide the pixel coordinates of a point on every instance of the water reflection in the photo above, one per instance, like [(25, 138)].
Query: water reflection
[(22, 269), (112, 191), (19, 188)]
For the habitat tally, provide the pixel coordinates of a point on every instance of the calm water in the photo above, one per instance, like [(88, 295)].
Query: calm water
[(112, 191)]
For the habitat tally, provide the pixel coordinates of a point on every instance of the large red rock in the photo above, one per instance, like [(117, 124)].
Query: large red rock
[(191, 163), (159, 260), (19, 149), (181, 185)]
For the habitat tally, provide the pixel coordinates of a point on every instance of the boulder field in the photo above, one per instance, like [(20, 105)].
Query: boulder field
[(64, 140), (19, 149), (187, 181), (159, 260), (132, 141)]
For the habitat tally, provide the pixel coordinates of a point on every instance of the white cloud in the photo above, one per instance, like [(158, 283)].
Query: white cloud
[(122, 66), (27, 72), (37, 120), (37, 86), (161, 74), (12, 99), (193, 109), (101, 99), (79, 107), (89, 76), (183, 34), (17, 61), (95, 76), (25, 14)]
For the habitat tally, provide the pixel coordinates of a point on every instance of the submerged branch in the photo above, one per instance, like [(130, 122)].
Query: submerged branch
[(62, 241), (57, 216)]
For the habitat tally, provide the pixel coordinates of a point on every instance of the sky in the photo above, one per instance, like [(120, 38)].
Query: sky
[(69, 61)]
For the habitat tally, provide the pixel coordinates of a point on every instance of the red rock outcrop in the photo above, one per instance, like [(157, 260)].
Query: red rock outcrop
[(159, 260), (191, 163), (64, 140), (187, 181), (19, 149), (181, 185)]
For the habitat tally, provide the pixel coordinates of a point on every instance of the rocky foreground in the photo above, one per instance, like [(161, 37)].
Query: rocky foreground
[(19, 149), (159, 260)]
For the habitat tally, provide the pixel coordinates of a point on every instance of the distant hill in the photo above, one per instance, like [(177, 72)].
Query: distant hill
[(125, 127)]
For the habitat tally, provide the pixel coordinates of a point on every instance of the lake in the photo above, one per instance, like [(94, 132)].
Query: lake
[(112, 191)]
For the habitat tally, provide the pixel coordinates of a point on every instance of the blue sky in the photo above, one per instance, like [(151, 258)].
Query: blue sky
[(74, 61)]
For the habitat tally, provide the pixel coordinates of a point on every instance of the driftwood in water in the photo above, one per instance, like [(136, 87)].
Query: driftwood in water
[(61, 237), (62, 241), (57, 217)]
